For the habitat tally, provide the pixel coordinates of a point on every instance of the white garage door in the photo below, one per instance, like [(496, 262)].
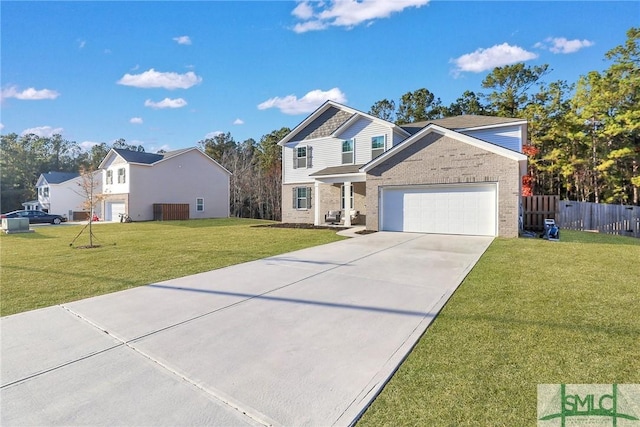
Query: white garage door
[(113, 210), (448, 209)]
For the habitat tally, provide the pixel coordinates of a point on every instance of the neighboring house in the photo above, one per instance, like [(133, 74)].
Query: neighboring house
[(457, 175), (61, 193), (133, 182)]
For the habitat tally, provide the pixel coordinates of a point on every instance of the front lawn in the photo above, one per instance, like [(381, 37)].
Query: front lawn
[(530, 312), (40, 269)]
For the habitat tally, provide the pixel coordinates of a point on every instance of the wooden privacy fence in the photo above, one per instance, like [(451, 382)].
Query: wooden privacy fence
[(535, 209), (610, 219), (170, 211), (601, 217)]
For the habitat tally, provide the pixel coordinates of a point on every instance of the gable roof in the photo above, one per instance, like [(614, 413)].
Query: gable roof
[(329, 119), (464, 122), (496, 149), (57, 177), (150, 159), (138, 156)]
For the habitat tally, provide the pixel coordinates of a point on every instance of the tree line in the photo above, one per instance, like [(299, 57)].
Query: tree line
[(583, 142), (256, 167), (584, 137)]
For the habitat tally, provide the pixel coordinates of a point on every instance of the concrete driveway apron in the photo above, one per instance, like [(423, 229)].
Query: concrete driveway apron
[(304, 338)]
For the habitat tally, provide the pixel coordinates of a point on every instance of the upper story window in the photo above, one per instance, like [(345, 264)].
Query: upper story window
[(302, 157), (44, 191), (122, 176), (109, 177), (200, 204), (377, 146), (347, 151)]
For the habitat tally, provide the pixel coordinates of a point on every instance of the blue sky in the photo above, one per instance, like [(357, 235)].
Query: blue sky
[(168, 74)]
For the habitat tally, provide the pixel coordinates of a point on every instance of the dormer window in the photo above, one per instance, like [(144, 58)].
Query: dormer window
[(347, 151), (377, 146)]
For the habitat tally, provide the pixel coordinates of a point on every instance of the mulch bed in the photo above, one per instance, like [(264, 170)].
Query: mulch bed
[(366, 232), (305, 226), (312, 227)]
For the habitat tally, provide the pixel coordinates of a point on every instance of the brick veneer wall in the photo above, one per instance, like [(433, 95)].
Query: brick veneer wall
[(289, 214), (437, 159), (329, 200)]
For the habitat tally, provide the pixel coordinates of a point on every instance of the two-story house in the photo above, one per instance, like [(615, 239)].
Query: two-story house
[(457, 175), (133, 182), (61, 193)]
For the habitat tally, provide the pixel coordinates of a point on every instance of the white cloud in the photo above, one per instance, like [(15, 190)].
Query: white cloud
[(347, 13), (155, 79), (155, 149), (1, 126), (86, 145), (495, 56), (182, 40), (562, 45), (238, 122), (292, 105), (30, 94), (166, 103), (136, 120), (303, 11), (43, 131), (213, 134), (82, 44)]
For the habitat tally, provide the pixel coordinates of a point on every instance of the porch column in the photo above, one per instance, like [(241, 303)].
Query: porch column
[(316, 203), (347, 204)]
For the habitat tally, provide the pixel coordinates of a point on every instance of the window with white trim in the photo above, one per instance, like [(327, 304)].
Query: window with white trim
[(45, 191), (302, 197), (200, 204), (302, 157), (122, 176), (377, 146), (347, 151), (109, 177)]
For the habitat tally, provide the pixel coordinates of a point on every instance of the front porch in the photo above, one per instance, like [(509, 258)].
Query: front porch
[(341, 189)]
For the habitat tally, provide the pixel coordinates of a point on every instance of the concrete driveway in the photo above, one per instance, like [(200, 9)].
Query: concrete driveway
[(305, 338)]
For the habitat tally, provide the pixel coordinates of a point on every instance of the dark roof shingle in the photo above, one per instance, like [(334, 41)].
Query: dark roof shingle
[(59, 177)]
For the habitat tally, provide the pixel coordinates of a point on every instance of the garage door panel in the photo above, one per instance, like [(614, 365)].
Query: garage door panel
[(455, 209), (113, 210)]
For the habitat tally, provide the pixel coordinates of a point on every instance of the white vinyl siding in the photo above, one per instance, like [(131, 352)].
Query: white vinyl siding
[(327, 152), (362, 131), (508, 137)]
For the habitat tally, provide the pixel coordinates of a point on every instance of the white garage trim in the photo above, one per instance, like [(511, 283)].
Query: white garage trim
[(469, 209), (113, 209)]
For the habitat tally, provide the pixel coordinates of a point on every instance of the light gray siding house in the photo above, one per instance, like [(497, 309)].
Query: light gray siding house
[(133, 182), (458, 175)]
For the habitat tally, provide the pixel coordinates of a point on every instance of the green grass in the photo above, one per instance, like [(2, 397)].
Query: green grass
[(530, 312), (40, 269)]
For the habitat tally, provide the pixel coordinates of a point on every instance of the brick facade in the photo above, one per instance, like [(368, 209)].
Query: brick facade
[(438, 159), (329, 200)]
